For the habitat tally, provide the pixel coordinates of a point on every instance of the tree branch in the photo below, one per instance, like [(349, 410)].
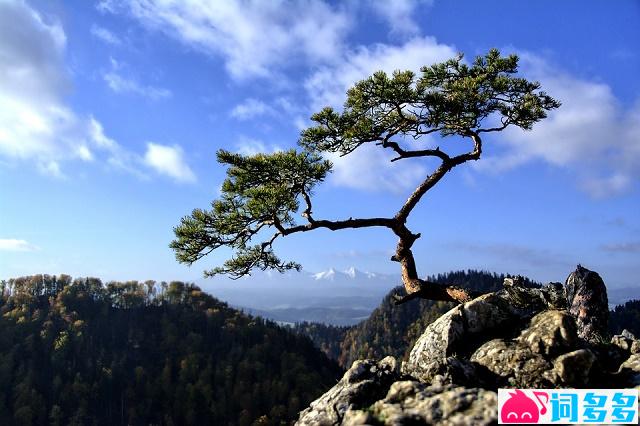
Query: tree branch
[(338, 224), (307, 211), (402, 153)]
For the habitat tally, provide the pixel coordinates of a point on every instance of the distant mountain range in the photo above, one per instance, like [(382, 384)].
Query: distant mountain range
[(340, 297), (333, 296)]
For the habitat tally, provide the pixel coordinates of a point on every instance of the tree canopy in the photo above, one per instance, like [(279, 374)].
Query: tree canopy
[(270, 191)]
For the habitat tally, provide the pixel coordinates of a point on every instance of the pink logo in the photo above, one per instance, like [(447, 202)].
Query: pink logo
[(519, 408)]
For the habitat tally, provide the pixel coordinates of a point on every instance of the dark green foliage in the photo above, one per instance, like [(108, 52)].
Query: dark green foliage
[(392, 329), (260, 190), (264, 192), (328, 338), (449, 98), (81, 353), (625, 316)]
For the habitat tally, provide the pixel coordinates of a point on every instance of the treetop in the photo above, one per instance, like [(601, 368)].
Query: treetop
[(449, 98), (265, 192)]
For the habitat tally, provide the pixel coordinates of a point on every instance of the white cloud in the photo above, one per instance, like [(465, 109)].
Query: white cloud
[(35, 123), (369, 168), (11, 244), (328, 85), (250, 146), (120, 84), (169, 161), (51, 168), (590, 134), (253, 37), (250, 108), (399, 14), (105, 35)]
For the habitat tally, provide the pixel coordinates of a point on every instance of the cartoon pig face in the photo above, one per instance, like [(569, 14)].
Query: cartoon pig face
[(519, 408)]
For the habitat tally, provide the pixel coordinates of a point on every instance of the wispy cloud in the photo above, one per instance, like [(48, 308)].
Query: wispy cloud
[(328, 85), (236, 30), (399, 14), (628, 247), (11, 244), (169, 161), (251, 146), (509, 252), (105, 35), (590, 134), (120, 84), (251, 108), (36, 125)]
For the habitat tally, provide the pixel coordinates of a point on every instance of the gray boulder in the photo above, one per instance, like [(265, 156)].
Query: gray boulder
[(453, 330), (630, 369), (550, 333), (517, 366), (573, 368), (364, 383), (587, 301), (413, 402)]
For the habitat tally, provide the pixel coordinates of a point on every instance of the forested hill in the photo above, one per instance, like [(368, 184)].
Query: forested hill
[(392, 329), (81, 353), (626, 316)]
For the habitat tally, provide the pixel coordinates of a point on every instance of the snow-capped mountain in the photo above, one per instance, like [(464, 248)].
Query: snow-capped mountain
[(331, 289), (351, 273)]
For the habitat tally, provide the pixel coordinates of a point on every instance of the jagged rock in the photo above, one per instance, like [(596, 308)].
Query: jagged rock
[(518, 366), (573, 368), (587, 301), (534, 300), (548, 337), (455, 329), (622, 342), (550, 333), (627, 342), (412, 402), (631, 369), (453, 369), (364, 383)]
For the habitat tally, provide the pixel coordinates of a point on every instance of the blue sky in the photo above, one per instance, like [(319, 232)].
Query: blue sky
[(111, 113)]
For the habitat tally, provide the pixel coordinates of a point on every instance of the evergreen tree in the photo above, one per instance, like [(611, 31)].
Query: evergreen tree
[(395, 112)]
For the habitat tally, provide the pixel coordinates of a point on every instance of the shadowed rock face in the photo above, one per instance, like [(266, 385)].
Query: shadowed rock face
[(517, 337), (587, 301)]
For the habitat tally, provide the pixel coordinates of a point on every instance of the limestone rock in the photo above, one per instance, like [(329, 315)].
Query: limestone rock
[(631, 369), (622, 342), (550, 333), (547, 337), (587, 301), (550, 296), (452, 331), (518, 366), (412, 402), (364, 383), (573, 368)]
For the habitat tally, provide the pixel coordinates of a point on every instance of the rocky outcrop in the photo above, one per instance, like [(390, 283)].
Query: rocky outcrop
[(363, 384), (587, 301), (413, 402), (518, 337)]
